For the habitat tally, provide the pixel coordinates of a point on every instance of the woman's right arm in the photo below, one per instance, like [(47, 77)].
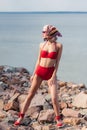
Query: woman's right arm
[(38, 61)]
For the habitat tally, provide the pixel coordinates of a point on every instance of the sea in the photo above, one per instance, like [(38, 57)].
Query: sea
[(21, 34)]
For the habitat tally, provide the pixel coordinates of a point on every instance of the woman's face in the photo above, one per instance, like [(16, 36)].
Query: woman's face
[(44, 34)]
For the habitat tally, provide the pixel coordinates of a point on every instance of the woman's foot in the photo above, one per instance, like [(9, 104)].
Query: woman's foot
[(59, 121), (18, 122)]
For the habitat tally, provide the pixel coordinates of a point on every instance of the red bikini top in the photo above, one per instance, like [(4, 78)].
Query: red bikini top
[(46, 54)]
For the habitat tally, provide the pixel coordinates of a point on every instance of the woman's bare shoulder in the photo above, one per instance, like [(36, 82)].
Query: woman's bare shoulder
[(59, 45), (41, 44)]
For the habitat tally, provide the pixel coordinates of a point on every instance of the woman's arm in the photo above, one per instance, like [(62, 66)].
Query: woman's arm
[(37, 63), (60, 48), (38, 59)]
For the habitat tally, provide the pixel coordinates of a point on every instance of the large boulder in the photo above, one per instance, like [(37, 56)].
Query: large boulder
[(80, 101)]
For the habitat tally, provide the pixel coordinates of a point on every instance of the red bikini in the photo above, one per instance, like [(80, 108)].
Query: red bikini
[(51, 55), (46, 72)]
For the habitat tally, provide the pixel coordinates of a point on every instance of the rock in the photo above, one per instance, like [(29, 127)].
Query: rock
[(14, 87), (82, 86), (2, 114), (69, 84), (47, 105), (80, 101), (1, 68), (4, 86), (36, 126), (63, 105), (8, 69), (84, 128), (75, 86), (46, 116), (33, 112), (1, 90), (14, 97), (3, 126), (85, 117), (72, 121), (21, 70), (1, 104), (61, 83), (11, 105), (70, 113), (48, 127), (83, 111), (69, 105), (38, 100), (22, 98)]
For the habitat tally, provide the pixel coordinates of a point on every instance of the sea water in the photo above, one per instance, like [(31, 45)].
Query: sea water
[(20, 35)]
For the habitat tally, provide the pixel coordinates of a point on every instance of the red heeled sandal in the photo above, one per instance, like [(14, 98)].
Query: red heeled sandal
[(59, 124), (17, 122)]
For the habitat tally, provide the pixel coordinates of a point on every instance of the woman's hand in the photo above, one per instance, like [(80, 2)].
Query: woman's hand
[(52, 80), (31, 78)]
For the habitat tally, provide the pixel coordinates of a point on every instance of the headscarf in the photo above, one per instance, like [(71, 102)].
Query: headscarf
[(51, 31)]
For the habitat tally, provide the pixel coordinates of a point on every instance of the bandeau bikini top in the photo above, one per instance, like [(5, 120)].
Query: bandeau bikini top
[(46, 54), (51, 55)]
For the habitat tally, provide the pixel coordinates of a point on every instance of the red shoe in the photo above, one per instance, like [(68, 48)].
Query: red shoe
[(17, 122), (59, 124)]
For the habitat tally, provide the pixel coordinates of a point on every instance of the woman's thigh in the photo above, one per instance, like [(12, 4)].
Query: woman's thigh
[(35, 84)]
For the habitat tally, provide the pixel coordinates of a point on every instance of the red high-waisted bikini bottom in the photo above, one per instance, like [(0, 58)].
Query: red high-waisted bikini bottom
[(44, 73)]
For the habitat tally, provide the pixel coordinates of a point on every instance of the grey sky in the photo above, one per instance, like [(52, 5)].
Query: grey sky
[(43, 5)]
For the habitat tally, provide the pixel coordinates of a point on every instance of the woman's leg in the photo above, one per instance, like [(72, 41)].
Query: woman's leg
[(35, 85), (54, 97)]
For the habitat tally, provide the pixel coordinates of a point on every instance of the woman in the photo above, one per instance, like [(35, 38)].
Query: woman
[(46, 69)]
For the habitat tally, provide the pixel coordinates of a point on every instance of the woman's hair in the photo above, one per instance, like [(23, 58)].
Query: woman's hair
[(51, 33)]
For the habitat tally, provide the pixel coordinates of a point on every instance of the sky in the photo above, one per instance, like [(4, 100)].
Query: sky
[(42, 5)]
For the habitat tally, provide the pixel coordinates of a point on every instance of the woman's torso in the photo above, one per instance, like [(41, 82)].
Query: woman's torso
[(48, 54)]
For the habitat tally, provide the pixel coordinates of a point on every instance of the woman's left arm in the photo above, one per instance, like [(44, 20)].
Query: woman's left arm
[(60, 48)]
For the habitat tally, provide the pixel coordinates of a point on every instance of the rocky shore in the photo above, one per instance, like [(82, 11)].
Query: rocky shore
[(14, 87)]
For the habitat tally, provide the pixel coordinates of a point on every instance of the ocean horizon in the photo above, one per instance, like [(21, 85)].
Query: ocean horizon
[(20, 35), (43, 12)]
